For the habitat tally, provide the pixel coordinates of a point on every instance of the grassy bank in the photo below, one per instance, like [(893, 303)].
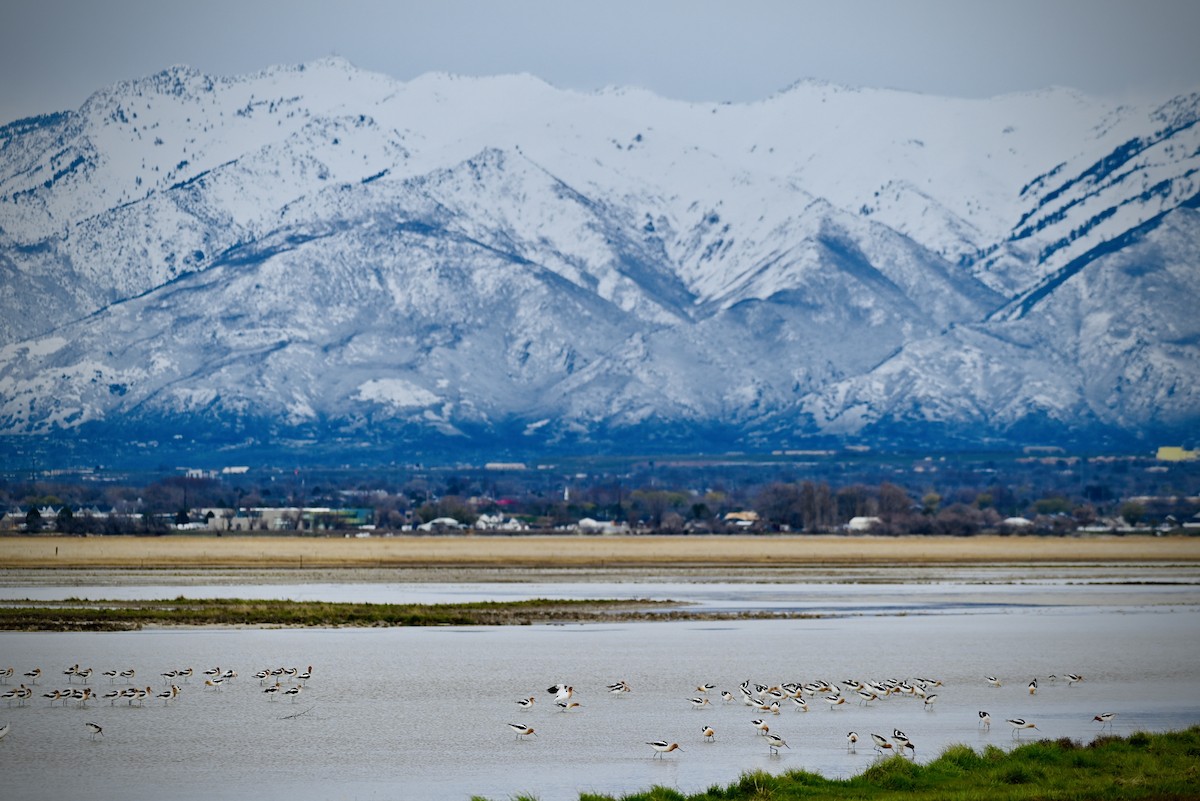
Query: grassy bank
[(77, 615), (1151, 767)]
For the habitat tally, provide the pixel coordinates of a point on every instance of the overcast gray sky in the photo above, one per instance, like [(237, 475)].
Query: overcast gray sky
[(54, 53)]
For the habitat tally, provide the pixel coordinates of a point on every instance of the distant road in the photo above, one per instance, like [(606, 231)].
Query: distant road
[(578, 551)]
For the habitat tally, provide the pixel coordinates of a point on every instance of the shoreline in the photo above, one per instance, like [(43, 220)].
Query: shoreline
[(574, 551)]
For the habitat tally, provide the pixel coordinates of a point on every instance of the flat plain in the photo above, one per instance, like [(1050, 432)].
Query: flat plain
[(176, 551)]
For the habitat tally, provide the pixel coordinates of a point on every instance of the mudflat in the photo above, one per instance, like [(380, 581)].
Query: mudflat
[(204, 551)]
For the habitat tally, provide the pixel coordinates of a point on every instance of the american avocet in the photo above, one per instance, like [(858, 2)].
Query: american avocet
[(94, 729), (663, 747), (229, 675), (992, 680), (726, 696), (709, 734), (775, 742), (54, 695), (71, 671), (526, 703), (141, 695), (563, 694), (1073, 678), (111, 696), (619, 687), (1105, 719), (697, 703), (81, 695), (566, 706), (985, 720), (166, 695), (522, 730), (929, 699), (185, 673), (1033, 687), (866, 697), (6, 674), (213, 684), (213, 671), (128, 674), (834, 701), (1018, 724), (167, 675), (305, 675), (904, 742), (800, 703), (762, 727), (33, 675), (703, 688), (852, 742), (898, 735), (84, 674), (881, 743), (294, 691), (273, 690), (262, 676), (111, 675)]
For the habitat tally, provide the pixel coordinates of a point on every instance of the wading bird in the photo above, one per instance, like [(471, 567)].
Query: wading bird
[(663, 747), (94, 729), (775, 742), (852, 742), (522, 730), (709, 734), (985, 720), (1105, 719), (1018, 724)]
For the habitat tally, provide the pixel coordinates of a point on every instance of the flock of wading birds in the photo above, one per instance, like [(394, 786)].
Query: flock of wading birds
[(772, 699), (271, 679), (289, 682)]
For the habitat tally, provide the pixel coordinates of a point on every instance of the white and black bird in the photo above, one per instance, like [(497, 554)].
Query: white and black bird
[(94, 729), (992, 680), (1073, 678), (761, 725), (775, 742), (698, 702), (663, 747), (1033, 687), (1105, 719), (522, 730), (881, 743), (852, 742), (929, 699), (985, 720), (1020, 723), (709, 734), (525, 703)]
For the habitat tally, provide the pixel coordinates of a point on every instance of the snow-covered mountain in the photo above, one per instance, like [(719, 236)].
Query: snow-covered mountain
[(320, 252)]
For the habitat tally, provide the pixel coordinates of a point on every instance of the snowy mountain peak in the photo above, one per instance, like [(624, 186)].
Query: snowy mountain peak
[(317, 248)]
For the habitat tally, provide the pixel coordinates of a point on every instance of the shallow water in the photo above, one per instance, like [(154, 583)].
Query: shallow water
[(422, 713)]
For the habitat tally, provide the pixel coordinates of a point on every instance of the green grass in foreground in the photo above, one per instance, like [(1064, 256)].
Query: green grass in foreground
[(1157, 767), (77, 615)]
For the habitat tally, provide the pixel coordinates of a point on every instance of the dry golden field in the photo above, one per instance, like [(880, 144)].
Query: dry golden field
[(268, 552)]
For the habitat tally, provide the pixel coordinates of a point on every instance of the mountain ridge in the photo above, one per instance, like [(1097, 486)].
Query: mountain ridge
[(827, 262)]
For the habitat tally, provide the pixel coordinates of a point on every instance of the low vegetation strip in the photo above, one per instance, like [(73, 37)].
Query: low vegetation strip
[(80, 615), (1150, 767)]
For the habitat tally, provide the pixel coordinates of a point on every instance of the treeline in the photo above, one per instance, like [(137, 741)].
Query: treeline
[(916, 497)]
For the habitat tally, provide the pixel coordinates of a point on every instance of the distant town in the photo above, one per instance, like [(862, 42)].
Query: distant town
[(1038, 491)]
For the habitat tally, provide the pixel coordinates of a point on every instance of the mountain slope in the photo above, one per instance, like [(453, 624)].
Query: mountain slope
[(317, 251)]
